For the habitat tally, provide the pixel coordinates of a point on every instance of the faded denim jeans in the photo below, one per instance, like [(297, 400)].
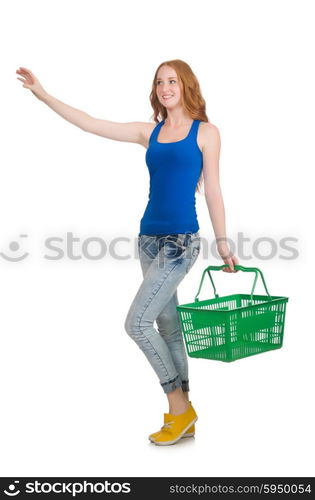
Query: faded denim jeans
[(165, 260)]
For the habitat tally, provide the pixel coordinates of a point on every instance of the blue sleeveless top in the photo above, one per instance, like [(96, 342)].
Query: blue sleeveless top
[(174, 169)]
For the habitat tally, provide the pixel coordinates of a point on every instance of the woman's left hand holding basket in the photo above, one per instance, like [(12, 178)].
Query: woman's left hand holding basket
[(227, 257)]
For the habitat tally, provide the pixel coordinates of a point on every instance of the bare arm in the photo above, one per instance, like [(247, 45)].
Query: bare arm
[(214, 199), (72, 115), (128, 132), (213, 194)]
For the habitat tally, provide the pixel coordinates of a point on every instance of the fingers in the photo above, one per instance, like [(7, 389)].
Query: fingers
[(25, 69), (227, 270), (231, 268), (24, 80)]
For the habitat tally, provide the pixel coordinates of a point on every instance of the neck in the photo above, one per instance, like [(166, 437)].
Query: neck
[(176, 118)]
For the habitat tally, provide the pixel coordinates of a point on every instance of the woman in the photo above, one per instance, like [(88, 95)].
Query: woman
[(181, 148)]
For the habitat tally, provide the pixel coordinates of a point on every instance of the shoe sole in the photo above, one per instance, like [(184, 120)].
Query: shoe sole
[(186, 435), (165, 443)]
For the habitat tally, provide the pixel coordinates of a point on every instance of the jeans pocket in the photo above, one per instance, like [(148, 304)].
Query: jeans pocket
[(147, 244), (173, 248)]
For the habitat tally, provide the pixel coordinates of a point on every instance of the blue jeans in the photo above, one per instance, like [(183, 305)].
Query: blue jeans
[(165, 260)]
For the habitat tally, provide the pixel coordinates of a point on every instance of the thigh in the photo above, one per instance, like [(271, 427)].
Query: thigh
[(163, 251), (164, 266), (147, 249)]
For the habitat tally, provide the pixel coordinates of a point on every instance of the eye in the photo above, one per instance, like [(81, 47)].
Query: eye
[(160, 81)]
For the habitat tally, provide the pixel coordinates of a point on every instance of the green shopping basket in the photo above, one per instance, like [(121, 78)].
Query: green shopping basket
[(235, 326)]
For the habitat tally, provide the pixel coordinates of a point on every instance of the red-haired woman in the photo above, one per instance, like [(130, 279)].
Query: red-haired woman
[(182, 150)]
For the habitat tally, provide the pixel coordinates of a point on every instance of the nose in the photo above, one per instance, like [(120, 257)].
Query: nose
[(165, 89)]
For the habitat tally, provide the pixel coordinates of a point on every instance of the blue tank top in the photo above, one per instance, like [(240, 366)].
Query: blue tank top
[(174, 169)]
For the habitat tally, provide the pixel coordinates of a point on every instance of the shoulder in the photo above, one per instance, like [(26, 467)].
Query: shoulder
[(209, 135), (209, 130)]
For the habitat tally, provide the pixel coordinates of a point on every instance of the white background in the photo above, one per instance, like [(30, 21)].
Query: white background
[(78, 396)]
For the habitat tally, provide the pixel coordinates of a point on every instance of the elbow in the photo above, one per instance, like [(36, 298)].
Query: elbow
[(86, 124), (213, 192), (85, 127)]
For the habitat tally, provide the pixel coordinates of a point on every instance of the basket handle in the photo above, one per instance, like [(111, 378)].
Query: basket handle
[(236, 266)]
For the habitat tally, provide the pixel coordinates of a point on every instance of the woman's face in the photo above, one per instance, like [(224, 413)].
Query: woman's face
[(168, 87)]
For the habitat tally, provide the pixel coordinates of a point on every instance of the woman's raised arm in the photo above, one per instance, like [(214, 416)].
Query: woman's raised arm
[(127, 132)]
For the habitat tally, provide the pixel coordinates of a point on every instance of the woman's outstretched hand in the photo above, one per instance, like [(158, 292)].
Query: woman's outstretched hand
[(227, 257), (31, 82)]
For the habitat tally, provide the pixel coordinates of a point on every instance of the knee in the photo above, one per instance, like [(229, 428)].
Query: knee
[(132, 326), (128, 325), (136, 327), (164, 319), (167, 324)]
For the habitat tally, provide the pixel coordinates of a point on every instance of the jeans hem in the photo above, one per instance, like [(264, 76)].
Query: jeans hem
[(185, 386), (174, 384), (171, 385)]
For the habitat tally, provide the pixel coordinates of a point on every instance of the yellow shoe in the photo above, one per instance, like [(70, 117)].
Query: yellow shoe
[(173, 430), (167, 418)]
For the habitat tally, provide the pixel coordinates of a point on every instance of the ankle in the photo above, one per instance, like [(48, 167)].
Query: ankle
[(179, 408), (186, 394)]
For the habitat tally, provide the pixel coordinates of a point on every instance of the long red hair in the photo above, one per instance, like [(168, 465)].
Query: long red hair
[(191, 98)]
